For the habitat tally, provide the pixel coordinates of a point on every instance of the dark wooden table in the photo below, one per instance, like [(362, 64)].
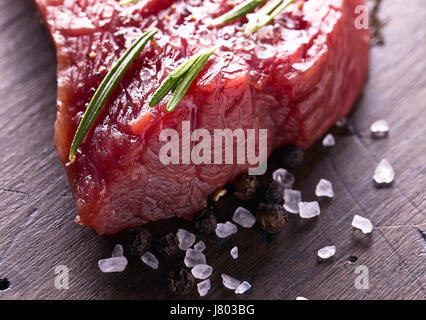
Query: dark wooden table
[(38, 233)]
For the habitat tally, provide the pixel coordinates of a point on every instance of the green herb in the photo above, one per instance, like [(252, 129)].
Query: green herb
[(125, 2), (238, 11), (105, 89), (180, 80), (265, 15)]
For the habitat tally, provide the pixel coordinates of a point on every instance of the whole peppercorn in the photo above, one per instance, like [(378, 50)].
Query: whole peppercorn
[(181, 281), (138, 241), (271, 217), (4, 284), (290, 157), (274, 193), (168, 245), (205, 221), (245, 187)]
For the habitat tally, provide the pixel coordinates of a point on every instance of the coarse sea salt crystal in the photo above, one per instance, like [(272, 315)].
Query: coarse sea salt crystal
[(283, 177), (150, 260), (243, 217), (384, 173), (115, 264), (327, 252), (194, 257), (229, 282), (203, 287), (301, 298), (379, 128), (324, 189), (200, 246), (243, 287), (234, 252), (117, 251), (186, 239), (341, 122), (309, 210), (329, 141), (202, 271), (291, 200), (224, 230), (362, 224)]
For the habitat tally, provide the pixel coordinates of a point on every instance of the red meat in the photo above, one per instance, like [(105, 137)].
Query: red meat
[(294, 77)]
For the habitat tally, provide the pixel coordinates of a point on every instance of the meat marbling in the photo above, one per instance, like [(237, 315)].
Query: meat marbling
[(294, 77)]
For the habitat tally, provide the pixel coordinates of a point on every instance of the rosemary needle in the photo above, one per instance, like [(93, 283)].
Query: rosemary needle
[(265, 15), (105, 89), (180, 80), (238, 11)]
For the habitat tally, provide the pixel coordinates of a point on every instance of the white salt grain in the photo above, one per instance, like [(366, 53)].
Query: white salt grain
[(301, 298), (362, 224), (243, 217), (327, 252), (243, 287), (186, 239), (200, 246), (309, 210), (203, 287), (229, 282), (115, 264), (384, 173), (341, 122), (379, 129), (324, 189), (194, 257), (291, 200), (202, 271), (283, 177), (150, 260), (329, 141), (117, 251), (224, 230), (234, 252)]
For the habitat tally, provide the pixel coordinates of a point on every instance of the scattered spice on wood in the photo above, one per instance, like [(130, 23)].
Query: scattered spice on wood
[(181, 282), (205, 221), (4, 284), (271, 217), (274, 193), (245, 188), (168, 245), (138, 241)]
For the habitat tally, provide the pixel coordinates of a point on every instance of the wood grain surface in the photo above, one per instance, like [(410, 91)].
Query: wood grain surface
[(38, 233)]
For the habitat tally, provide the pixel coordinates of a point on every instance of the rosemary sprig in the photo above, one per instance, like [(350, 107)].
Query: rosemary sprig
[(180, 80), (105, 89), (238, 11), (265, 15), (126, 2)]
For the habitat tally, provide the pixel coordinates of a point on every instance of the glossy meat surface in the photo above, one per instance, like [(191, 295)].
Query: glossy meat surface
[(294, 77)]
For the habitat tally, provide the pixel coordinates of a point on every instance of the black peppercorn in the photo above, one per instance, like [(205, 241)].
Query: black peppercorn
[(181, 281), (274, 193), (205, 221), (271, 217), (138, 242), (4, 284), (168, 245), (245, 187), (290, 157)]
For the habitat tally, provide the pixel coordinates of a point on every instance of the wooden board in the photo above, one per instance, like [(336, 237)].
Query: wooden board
[(38, 233)]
